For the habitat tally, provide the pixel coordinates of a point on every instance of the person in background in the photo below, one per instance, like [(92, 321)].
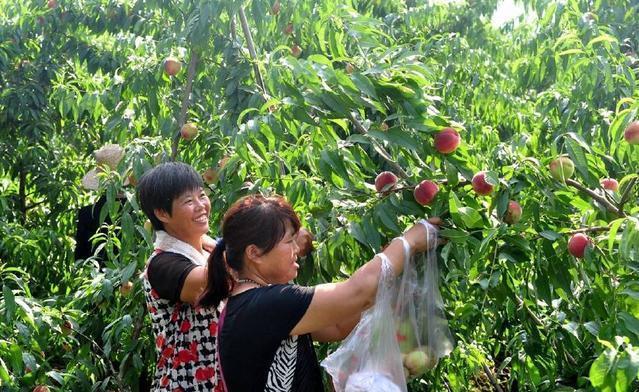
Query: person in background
[(267, 324)]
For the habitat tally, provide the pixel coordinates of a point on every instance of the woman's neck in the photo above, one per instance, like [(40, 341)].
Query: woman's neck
[(248, 280)]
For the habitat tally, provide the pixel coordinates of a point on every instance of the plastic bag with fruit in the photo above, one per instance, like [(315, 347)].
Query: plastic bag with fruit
[(422, 331), (369, 358)]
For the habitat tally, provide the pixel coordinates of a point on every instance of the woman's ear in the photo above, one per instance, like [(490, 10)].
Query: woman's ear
[(253, 253), (162, 215)]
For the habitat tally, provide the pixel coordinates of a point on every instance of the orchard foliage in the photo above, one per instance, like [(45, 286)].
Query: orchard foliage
[(312, 100)]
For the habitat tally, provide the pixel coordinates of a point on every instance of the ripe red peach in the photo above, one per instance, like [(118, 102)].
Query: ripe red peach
[(447, 140), (480, 185), (425, 192), (385, 181), (172, 66), (610, 184), (577, 244)]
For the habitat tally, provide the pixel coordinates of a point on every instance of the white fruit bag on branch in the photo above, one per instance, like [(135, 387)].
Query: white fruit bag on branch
[(368, 360), (422, 329)]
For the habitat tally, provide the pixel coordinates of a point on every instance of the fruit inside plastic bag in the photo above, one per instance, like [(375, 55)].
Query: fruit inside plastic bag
[(369, 358), (422, 331), (402, 336)]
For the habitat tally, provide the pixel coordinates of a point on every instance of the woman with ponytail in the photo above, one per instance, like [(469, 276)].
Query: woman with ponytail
[(267, 325)]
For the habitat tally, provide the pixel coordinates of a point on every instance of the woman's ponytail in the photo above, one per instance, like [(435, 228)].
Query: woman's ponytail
[(220, 281)]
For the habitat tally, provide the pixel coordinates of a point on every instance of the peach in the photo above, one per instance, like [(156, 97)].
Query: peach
[(304, 242), (189, 131), (513, 214), (425, 192), (447, 140), (126, 288), (385, 181), (148, 226), (288, 30), (209, 175), (275, 9), (296, 50), (577, 244), (417, 362), (631, 134), (562, 168), (480, 185), (172, 66), (610, 184), (349, 68), (66, 328)]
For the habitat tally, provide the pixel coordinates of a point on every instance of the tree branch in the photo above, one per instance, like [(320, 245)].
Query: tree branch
[(22, 199), (596, 197), (594, 229), (185, 101), (521, 303), (380, 149), (118, 379), (34, 205), (251, 47), (233, 27), (492, 378)]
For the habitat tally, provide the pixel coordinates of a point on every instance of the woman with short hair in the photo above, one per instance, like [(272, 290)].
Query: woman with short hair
[(173, 198)]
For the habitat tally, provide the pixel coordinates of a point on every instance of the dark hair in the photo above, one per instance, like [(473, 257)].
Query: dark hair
[(164, 183), (252, 220)]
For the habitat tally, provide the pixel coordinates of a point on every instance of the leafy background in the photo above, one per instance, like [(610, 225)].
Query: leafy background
[(374, 81)]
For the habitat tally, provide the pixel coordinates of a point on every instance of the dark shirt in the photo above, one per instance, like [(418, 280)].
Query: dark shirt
[(87, 226), (257, 352), (167, 272)]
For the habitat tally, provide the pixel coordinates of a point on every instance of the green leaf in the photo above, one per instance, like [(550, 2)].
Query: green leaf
[(364, 84), (388, 219), (630, 322), (396, 136), (128, 271), (576, 153), (9, 303), (592, 327), (570, 51), (454, 235), (470, 217), (602, 38), (492, 178), (550, 235), (599, 377), (612, 235)]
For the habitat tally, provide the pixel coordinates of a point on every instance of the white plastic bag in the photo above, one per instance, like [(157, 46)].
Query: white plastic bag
[(369, 358), (422, 329), (401, 336)]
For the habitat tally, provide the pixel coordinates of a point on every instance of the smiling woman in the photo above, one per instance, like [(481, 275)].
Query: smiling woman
[(173, 198), (267, 326)]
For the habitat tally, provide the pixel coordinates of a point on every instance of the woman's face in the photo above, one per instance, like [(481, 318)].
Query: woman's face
[(280, 263)]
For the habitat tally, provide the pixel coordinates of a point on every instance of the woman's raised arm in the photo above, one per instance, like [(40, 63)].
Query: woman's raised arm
[(333, 303)]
